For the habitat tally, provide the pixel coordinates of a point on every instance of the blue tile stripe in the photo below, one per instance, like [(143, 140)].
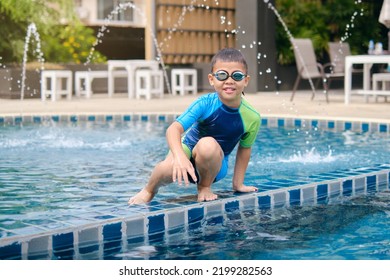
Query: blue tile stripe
[(267, 121), (63, 245), (11, 251), (156, 224), (295, 197), (347, 187), (264, 202), (232, 206), (18, 119), (322, 193), (112, 231)]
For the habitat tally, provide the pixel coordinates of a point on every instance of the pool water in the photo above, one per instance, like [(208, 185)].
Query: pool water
[(75, 166), (55, 171), (55, 168), (286, 152), (350, 229)]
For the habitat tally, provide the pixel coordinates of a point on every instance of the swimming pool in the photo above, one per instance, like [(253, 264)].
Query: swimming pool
[(65, 181)]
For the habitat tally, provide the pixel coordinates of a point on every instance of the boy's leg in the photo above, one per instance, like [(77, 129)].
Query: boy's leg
[(208, 156), (161, 174)]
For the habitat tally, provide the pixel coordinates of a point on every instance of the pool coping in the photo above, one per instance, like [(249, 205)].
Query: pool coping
[(148, 222), (270, 120)]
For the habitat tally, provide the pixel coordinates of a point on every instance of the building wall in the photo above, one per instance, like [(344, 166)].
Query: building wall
[(193, 31), (122, 39), (192, 39), (258, 36), (88, 12)]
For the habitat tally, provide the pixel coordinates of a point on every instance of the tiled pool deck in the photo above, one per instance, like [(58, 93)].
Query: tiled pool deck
[(269, 103), (88, 235)]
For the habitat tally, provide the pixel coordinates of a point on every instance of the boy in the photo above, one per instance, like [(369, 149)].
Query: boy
[(214, 124)]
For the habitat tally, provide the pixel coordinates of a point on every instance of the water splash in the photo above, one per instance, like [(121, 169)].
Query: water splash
[(310, 156), (121, 8), (31, 30)]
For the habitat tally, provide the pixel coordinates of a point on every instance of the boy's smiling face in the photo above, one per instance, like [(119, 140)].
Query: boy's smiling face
[(229, 91)]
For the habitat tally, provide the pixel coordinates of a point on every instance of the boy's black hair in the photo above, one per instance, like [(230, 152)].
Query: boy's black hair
[(229, 55)]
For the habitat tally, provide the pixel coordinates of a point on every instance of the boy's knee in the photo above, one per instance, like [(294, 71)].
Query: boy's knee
[(208, 148)]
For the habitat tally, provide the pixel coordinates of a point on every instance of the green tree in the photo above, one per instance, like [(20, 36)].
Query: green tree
[(63, 37)]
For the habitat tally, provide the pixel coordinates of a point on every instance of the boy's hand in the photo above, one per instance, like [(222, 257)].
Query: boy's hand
[(182, 166), (244, 189)]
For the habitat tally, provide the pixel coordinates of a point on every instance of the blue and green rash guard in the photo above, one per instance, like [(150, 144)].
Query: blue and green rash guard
[(208, 116)]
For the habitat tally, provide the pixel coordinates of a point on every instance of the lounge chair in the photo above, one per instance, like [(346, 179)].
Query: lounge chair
[(307, 66), (336, 67), (337, 53)]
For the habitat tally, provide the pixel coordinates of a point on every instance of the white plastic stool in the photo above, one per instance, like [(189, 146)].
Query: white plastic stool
[(52, 84), (83, 81), (149, 82), (381, 78), (184, 81)]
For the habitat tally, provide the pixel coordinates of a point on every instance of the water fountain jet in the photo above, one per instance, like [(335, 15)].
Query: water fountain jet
[(31, 30)]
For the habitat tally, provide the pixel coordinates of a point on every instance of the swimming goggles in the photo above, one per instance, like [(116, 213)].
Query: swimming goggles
[(222, 75)]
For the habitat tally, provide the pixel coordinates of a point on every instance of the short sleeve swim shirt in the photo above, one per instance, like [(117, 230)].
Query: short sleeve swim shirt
[(208, 116)]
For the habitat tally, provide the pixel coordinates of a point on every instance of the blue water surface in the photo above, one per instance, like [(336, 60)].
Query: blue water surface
[(54, 169)]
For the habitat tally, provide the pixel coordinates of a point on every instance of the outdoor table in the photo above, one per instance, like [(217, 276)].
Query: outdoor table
[(367, 61), (131, 66)]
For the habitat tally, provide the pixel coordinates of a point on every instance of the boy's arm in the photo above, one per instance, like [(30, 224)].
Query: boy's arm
[(242, 160), (181, 164)]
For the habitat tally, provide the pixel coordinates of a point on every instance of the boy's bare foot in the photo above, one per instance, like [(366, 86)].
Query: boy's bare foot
[(245, 189), (142, 197), (205, 194)]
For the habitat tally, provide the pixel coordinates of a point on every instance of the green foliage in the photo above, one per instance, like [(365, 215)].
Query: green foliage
[(355, 22), (15, 16), (71, 43), (59, 43)]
